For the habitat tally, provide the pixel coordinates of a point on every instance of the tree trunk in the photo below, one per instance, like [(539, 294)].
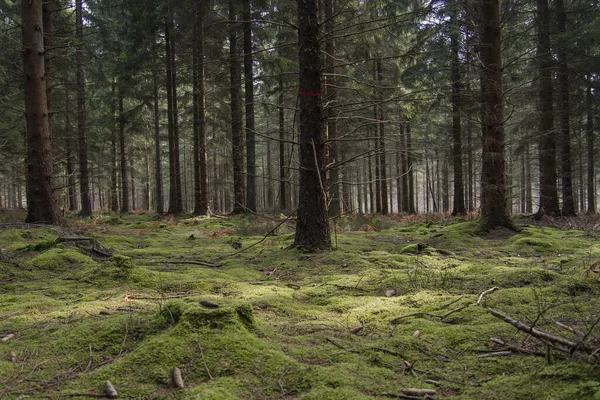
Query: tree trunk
[(132, 177), (410, 168), (160, 208), (591, 190), (383, 186), (47, 10), (84, 185), (459, 194), (237, 134), (200, 156), (114, 195), (71, 183), (330, 114), (175, 193), (249, 95), (568, 199), (282, 174), (312, 226), (547, 143), (124, 184), (41, 202), (494, 210)]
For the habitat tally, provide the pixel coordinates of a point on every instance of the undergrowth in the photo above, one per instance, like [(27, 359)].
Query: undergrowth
[(402, 302)]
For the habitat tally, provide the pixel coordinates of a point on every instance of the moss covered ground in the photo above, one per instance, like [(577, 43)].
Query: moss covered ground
[(398, 304)]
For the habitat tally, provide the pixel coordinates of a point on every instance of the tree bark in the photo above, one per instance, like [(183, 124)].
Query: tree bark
[(114, 195), (547, 143), (410, 168), (494, 209), (459, 194), (312, 226), (383, 185), (41, 202), (200, 157), (237, 134), (160, 208), (591, 190), (124, 184), (84, 185), (71, 183), (249, 97), (282, 165), (568, 199)]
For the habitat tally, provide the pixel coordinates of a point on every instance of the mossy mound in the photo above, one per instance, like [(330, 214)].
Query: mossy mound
[(57, 259)]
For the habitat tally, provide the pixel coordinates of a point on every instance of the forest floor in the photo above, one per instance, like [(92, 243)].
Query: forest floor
[(401, 304)]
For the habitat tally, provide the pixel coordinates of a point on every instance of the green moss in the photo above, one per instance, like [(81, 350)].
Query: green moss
[(57, 258)]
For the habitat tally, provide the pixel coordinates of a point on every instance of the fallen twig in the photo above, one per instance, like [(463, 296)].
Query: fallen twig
[(203, 263), (504, 353), (481, 296), (541, 335)]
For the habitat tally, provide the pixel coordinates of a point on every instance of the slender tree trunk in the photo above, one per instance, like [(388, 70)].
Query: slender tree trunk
[(411, 172), (124, 184), (383, 186), (200, 155), (47, 10), (249, 95), (71, 183), (330, 114), (175, 193), (591, 190), (86, 205), (237, 133), (568, 199), (132, 177), (41, 202), (282, 166), (114, 195), (547, 143), (312, 226), (402, 170), (459, 195), (494, 202), (157, 153), (372, 208)]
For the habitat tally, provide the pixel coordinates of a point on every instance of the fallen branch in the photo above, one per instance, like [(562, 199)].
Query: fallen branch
[(482, 295), (518, 349), (496, 354), (541, 335), (203, 263)]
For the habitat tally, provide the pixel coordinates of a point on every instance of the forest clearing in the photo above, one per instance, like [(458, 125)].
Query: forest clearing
[(400, 308)]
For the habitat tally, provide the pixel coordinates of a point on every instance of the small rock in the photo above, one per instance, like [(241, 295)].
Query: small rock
[(208, 304), (13, 356), (418, 392), (177, 379), (110, 390), (416, 334), (7, 338), (390, 293)]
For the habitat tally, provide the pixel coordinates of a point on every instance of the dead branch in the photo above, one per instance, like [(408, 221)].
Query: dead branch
[(203, 263), (543, 336), (518, 349), (481, 296), (496, 354)]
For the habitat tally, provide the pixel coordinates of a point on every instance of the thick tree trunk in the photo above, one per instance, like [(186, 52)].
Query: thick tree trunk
[(47, 10), (200, 157), (237, 134), (459, 194), (249, 96), (160, 208), (410, 167), (383, 185), (568, 199), (312, 226), (493, 185), (84, 185), (41, 202), (547, 142)]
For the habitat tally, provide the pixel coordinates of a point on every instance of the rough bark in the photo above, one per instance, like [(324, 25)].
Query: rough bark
[(249, 97), (591, 190), (159, 204), (84, 185), (330, 85), (547, 134), (114, 195), (568, 199), (312, 226), (459, 194), (410, 168), (282, 165), (200, 157), (494, 209), (383, 185), (71, 183), (124, 184), (41, 202), (237, 134)]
